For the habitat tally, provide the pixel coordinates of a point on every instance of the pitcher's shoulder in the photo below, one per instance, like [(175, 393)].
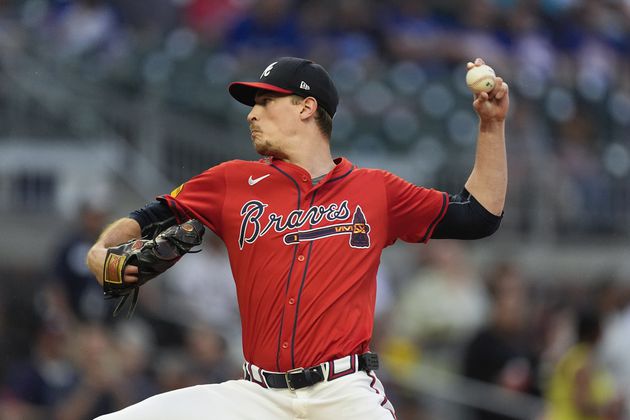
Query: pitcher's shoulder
[(371, 172), (241, 164)]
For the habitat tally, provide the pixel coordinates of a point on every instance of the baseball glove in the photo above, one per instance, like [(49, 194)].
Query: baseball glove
[(151, 256)]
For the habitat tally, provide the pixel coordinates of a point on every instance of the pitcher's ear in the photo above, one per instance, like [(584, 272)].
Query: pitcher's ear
[(309, 107)]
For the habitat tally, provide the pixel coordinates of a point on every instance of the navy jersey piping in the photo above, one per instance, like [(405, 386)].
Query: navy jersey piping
[(295, 248), (341, 176), (436, 220)]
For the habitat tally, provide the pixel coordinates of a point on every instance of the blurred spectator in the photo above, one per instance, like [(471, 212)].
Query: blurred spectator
[(500, 353), (209, 356), (200, 289), (532, 53), (146, 25), (43, 378), (173, 369), (70, 374), (586, 195), (268, 29), (212, 18), (584, 36), (134, 346), (442, 305), (616, 341), (356, 33), (384, 305), (83, 293), (477, 35), (580, 388), (85, 27), (18, 339), (316, 19), (12, 35), (99, 388), (412, 31)]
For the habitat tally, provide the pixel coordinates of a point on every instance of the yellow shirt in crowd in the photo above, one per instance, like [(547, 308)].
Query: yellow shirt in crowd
[(562, 390)]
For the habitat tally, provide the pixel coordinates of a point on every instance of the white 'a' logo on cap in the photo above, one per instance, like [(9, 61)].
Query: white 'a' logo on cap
[(268, 70)]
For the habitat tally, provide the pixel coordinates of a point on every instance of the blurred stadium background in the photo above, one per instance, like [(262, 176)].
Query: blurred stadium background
[(105, 104)]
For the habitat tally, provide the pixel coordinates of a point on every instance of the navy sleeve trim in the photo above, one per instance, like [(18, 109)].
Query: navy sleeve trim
[(466, 218), (154, 217)]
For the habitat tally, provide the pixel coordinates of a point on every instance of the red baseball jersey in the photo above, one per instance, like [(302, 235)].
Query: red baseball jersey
[(304, 257)]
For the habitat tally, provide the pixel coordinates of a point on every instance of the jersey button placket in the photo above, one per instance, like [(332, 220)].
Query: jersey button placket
[(286, 359)]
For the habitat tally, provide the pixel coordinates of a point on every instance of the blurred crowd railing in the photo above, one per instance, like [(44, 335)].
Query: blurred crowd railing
[(161, 91)]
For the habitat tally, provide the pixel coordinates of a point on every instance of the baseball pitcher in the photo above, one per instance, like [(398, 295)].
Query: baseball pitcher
[(304, 233)]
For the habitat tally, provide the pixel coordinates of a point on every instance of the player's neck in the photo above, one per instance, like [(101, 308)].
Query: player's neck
[(314, 157)]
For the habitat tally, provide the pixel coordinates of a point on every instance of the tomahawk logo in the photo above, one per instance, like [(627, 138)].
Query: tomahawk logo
[(268, 70), (358, 231), (254, 226)]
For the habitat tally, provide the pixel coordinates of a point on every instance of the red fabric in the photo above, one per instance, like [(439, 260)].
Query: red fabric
[(261, 85), (306, 302)]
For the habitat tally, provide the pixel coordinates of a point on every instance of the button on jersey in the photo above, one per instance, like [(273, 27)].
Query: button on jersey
[(304, 257)]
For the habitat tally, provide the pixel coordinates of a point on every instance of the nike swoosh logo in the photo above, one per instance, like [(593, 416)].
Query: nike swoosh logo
[(252, 181)]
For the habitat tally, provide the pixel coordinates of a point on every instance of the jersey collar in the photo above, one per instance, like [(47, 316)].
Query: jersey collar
[(342, 168)]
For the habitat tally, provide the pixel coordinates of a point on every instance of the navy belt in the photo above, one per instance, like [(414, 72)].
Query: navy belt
[(303, 377)]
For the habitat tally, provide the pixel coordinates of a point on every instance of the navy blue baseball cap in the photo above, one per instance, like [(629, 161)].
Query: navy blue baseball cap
[(291, 76)]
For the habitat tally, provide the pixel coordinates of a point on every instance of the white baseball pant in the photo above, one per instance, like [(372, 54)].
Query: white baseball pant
[(358, 396)]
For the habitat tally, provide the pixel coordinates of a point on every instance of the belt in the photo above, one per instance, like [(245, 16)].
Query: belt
[(303, 377)]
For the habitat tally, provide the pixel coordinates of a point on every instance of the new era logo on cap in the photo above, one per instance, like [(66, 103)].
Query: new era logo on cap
[(290, 75)]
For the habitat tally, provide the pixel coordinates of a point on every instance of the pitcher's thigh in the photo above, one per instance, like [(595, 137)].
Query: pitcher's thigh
[(237, 399), (359, 396)]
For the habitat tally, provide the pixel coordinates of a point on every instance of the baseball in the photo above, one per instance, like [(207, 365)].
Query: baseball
[(480, 78)]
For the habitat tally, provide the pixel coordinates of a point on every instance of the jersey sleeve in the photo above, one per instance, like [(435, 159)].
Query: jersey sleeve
[(201, 198), (413, 211)]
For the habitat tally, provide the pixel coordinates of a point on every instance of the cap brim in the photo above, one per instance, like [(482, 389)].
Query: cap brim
[(245, 92)]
